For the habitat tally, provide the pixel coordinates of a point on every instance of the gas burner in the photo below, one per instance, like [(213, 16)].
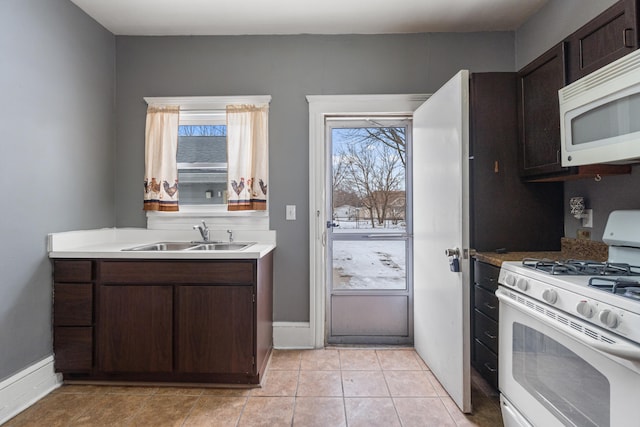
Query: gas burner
[(625, 287), (633, 293), (572, 267)]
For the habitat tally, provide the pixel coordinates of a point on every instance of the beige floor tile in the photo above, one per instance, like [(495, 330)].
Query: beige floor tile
[(423, 411), (164, 411), (320, 384), (286, 360), (422, 363), (371, 412), (359, 360), (130, 390), (227, 392), (319, 412), (112, 410), (440, 391), (398, 360), (278, 383), (267, 412), (409, 384), (56, 409), (179, 391), (364, 384), (216, 411), (320, 360)]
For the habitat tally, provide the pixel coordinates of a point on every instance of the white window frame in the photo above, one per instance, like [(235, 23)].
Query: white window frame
[(198, 110)]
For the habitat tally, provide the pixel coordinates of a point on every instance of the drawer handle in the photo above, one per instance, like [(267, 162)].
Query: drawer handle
[(493, 337), (486, 365), (489, 306), (627, 41)]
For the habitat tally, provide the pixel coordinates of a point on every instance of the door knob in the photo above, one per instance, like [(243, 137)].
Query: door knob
[(452, 252)]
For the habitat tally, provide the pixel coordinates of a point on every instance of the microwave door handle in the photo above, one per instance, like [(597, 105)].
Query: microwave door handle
[(620, 348)]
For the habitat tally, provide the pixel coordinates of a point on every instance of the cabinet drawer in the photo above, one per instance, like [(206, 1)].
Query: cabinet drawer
[(72, 271), (486, 363), (72, 304), (486, 330), (486, 275), (177, 272), (486, 302), (73, 349)]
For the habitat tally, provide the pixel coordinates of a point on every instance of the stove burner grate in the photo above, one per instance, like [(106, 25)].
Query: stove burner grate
[(624, 287), (574, 267)]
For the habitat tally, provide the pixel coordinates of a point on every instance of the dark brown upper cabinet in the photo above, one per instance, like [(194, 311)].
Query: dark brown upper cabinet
[(539, 113), (609, 36)]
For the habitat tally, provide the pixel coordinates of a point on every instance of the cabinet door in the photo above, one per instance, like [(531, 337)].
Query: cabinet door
[(135, 328), (215, 332), (539, 113), (609, 36)]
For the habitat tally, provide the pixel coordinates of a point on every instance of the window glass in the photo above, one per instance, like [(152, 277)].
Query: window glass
[(202, 164)]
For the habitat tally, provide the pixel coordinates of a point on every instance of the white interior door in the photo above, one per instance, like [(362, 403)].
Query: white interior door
[(441, 222)]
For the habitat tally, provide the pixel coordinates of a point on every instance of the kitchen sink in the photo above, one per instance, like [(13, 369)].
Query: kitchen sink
[(195, 246), (164, 246), (221, 246)]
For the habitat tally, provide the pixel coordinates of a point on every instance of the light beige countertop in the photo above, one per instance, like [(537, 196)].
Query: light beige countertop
[(111, 242), (570, 249)]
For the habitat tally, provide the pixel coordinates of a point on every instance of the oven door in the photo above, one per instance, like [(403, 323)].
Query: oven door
[(552, 376)]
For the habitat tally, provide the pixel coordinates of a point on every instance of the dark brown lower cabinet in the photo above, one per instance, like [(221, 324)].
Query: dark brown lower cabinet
[(135, 328), (163, 320), (214, 331), (485, 317)]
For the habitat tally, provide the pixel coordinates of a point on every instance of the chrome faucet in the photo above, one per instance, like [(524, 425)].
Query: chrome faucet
[(230, 235), (204, 231)]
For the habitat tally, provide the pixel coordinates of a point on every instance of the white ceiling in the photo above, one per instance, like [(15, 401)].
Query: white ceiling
[(233, 17)]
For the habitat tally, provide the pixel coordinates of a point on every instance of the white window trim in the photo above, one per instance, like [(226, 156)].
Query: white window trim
[(204, 108), (321, 106)]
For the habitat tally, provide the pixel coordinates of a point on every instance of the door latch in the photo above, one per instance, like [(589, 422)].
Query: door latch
[(454, 259)]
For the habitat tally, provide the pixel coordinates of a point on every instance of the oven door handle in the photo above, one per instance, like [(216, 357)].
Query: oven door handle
[(617, 348)]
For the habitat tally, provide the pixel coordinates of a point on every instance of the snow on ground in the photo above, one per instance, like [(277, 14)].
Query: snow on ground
[(369, 264)]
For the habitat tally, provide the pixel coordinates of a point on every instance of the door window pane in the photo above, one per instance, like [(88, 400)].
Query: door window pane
[(367, 265)]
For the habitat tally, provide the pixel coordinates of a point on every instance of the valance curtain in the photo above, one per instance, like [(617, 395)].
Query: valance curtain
[(161, 169), (248, 157)]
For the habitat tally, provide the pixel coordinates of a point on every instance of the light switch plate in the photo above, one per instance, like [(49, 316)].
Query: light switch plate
[(291, 212)]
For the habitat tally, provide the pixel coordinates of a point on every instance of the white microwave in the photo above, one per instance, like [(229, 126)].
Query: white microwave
[(600, 115)]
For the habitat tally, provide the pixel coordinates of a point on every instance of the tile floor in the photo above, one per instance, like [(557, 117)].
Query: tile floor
[(329, 387)]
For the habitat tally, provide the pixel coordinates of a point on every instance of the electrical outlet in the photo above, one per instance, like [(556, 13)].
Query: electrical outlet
[(583, 234)]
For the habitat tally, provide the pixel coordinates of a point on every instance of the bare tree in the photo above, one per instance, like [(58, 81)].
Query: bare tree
[(374, 170), (393, 137)]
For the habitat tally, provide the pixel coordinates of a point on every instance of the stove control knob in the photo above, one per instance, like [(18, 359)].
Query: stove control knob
[(585, 309), (609, 318), (550, 296), (522, 284), (510, 280)]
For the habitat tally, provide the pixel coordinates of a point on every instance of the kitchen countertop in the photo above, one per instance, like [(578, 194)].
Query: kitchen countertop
[(570, 249), (110, 242)]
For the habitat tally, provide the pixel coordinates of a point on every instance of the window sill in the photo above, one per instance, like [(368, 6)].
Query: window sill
[(217, 217)]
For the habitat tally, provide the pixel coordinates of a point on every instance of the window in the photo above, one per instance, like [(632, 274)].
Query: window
[(202, 158), (202, 163)]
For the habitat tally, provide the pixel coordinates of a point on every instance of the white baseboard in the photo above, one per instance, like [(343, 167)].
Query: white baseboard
[(23, 389), (292, 335)]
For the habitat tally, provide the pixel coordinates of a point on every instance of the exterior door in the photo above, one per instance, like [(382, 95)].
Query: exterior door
[(369, 292), (441, 212)]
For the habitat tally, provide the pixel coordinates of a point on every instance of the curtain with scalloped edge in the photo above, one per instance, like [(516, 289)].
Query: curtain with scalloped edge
[(248, 157), (161, 168)]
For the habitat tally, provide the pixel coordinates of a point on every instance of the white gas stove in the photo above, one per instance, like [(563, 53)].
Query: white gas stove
[(604, 294), (569, 335)]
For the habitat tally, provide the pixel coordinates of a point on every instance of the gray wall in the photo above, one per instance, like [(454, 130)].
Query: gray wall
[(56, 166), (288, 68), (556, 20)]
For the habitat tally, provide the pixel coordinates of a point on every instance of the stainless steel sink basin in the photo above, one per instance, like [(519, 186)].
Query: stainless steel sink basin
[(164, 246), (191, 246), (221, 246)]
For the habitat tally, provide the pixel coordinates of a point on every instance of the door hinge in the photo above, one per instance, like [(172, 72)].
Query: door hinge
[(253, 361), (253, 298)]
